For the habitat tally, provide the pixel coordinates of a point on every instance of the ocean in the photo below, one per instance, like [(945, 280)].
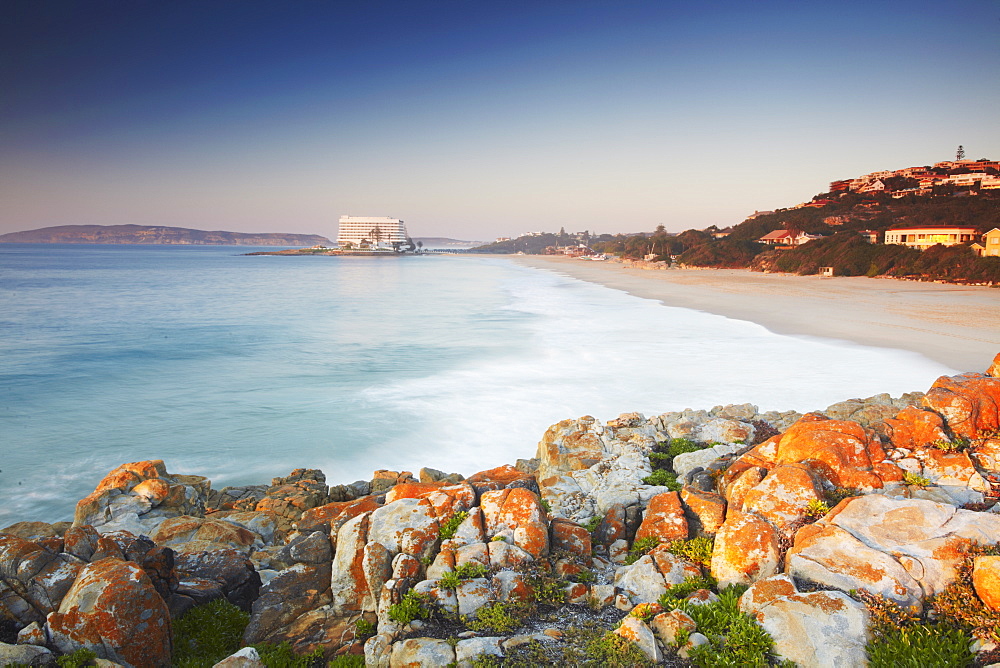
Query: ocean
[(242, 368)]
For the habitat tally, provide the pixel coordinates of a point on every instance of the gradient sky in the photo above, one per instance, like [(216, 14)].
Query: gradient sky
[(473, 119)]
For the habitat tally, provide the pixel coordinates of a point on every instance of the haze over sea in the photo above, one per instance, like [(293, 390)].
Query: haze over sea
[(244, 368)]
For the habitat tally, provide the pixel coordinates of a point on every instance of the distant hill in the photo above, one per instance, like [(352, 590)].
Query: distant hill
[(156, 234)]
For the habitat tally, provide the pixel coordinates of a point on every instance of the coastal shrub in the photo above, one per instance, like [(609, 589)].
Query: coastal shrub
[(921, 645), (363, 627), (471, 569), (346, 661), (208, 633), (641, 547), (960, 605), (78, 659), (663, 478), (501, 617), (734, 638), (281, 655), (696, 550), (449, 580), (911, 478), (586, 576), (614, 651), (594, 522), (678, 592), (448, 529), (412, 606)]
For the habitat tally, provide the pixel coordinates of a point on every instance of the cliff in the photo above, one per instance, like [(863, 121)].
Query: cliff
[(867, 534), (150, 234)]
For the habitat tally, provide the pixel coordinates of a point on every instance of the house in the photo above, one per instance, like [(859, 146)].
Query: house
[(991, 244), (922, 238), (787, 238), (871, 236)]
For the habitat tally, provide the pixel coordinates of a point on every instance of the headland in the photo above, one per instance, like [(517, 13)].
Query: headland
[(956, 325)]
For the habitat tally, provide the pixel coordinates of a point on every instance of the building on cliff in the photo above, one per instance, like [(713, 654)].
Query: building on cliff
[(371, 233), (922, 238)]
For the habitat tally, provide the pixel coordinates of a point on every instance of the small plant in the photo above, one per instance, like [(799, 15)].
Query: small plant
[(546, 506), (282, 656), (679, 446), (816, 509), (208, 633), (412, 606), (586, 576), (641, 547), (613, 651), (838, 494), (663, 478), (363, 627), (450, 526), (592, 524), (954, 445), (449, 580), (342, 661), (921, 645), (78, 659), (697, 550), (500, 617), (499, 539), (911, 478), (471, 569)]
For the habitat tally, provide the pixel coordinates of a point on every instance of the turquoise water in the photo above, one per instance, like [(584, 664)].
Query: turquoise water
[(242, 368)]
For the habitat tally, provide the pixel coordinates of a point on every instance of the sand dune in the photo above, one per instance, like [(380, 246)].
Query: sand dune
[(958, 326)]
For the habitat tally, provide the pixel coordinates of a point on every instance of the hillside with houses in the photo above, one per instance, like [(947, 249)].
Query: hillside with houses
[(939, 222)]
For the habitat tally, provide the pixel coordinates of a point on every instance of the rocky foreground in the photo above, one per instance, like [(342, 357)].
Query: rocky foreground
[(602, 549)]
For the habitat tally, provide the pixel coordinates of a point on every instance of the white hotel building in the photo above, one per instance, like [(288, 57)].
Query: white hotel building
[(370, 232)]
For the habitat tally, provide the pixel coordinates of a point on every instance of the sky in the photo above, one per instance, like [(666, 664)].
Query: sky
[(474, 120)]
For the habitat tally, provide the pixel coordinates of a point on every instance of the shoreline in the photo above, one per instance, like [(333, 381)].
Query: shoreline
[(955, 325)]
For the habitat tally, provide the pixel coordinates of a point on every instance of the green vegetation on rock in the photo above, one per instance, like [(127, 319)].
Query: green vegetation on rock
[(208, 633)]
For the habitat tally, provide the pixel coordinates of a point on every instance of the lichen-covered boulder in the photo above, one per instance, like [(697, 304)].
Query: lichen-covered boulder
[(914, 427), (518, 512), (783, 495), (569, 536), (331, 516), (137, 496), (501, 477), (348, 586), (289, 496), (33, 581), (420, 652), (969, 403), (651, 575), (199, 534), (986, 579), (746, 550), (113, 610), (664, 519), (409, 525), (635, 631), (707, 510), (821, 629), (284, 598), (204, 576)]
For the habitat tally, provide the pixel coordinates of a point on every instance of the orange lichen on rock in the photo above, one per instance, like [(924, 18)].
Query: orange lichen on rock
[(664, 519), (519, 512), (969, 403), (915, 428)]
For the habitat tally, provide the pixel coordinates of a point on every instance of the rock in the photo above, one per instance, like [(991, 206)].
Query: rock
[(821, 628), (569, 445), (843, 453), (746, 550), (612, 526), (405, 566), (288, 595), (520, 512), (378, 650), (291, 495), (267, 525), (244, 658), (994, 369), (127, 498), (25, 655), (504, 555), (705, 511), (970, 403), (407, 525), (33, 581), (433, 475), (986, 578), (986, 455), (472, 595), (667, 625), (782, 497), (417, 652), (349, 589), (197, 534), (113, 610), (570, 537), (915, 427), (331, 516), (322, 629), (502, 477), (471, 648), (635, 630), (650, 576), (738, 484), (31, 531), (81, 541), (511, 586), (204, 576), (664, 519), (684, 463)]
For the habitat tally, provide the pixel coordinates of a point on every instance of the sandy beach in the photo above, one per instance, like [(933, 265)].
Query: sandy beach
[(958, 326)]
